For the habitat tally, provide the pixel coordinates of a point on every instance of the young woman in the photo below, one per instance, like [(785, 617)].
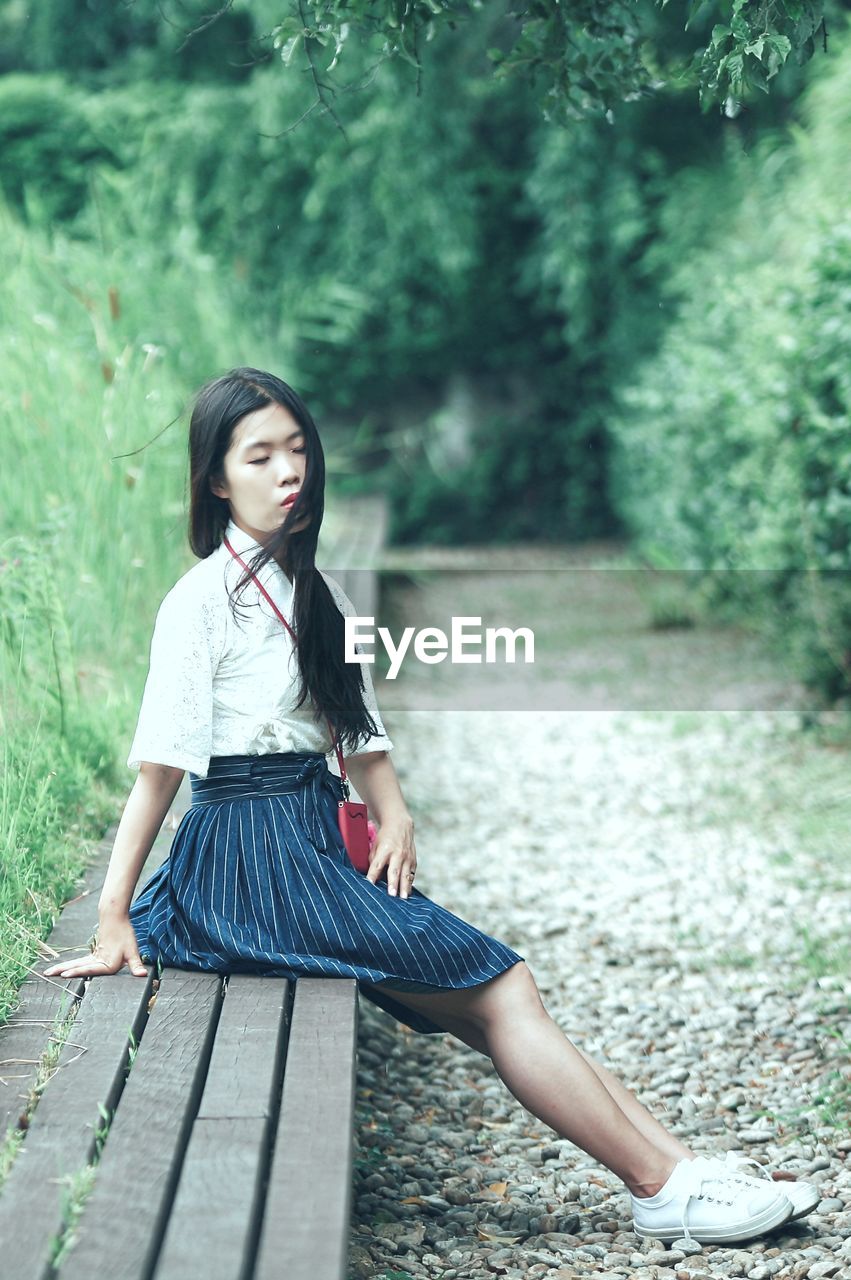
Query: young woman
[(258, 878)]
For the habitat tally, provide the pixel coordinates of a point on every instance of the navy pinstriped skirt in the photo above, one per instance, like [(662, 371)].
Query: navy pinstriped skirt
[(258, 880)]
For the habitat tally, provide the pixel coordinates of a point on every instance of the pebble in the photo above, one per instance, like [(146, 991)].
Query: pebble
[(690, 997), (827, 1268), (687, 1247)]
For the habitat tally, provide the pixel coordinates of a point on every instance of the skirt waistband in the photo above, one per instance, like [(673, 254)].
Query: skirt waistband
[(231, 776), (277, 773)]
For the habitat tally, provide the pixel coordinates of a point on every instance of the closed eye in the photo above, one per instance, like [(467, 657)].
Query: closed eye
[(254, 461)]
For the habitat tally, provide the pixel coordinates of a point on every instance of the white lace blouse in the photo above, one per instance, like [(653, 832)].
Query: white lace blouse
[(219, 685)]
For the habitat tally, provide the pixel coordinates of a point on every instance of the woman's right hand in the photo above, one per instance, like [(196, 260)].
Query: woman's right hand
[(117, 945)]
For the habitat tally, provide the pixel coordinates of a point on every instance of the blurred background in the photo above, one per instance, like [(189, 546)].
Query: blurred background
[(625, 329)]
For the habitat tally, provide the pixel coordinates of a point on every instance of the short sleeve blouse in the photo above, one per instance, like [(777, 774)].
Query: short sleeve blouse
[(223, 686)]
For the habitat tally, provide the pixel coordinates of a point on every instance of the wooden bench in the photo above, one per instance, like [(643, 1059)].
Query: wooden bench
[(213, 1113), (230, 1108)]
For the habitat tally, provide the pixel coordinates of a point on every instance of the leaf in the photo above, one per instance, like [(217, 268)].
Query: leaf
[(734, 70), (781, 43), (694, 6), (288, 49), (484, 1234), (289, 27)]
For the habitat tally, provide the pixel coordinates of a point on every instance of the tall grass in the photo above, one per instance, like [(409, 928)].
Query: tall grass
[(104, 340)]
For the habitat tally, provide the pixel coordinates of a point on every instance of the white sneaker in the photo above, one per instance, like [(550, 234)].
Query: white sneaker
[(705, 1203), (804, 1196)]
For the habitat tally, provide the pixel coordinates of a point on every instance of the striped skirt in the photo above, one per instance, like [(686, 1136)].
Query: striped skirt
[(258, 880)]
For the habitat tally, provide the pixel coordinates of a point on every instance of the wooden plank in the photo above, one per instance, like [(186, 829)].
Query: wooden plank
[(226, 1163), (61, 1137), (213, 1227), (24, 1039), (26, 1035), (251, 1044), (119, 1232), (308, 1204)]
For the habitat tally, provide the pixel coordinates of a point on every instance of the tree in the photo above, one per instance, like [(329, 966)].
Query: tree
[(584, 56)]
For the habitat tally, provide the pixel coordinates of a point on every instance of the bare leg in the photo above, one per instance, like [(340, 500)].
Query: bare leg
[(551, 1078), (638, 1113), (647, 1124)]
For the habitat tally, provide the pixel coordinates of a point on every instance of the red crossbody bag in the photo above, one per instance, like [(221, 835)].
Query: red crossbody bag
[(351, 816)]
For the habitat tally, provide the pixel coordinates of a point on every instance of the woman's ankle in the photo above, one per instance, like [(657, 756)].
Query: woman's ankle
[(653, 1181)]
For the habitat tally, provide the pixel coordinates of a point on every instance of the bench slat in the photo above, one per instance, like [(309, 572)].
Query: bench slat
[(219, 1198), (43, 999), (213, 1225), (61, 1136), (245, 1072), (305, 1227), (120, 1229), (24, 1039)]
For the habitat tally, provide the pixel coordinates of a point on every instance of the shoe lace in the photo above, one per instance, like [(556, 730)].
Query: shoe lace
[(699, 1173), (733, 1164)]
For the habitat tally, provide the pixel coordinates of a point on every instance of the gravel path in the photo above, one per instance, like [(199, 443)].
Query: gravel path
[(634, 862)]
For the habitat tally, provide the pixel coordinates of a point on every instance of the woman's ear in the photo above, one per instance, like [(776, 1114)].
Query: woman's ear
[(219, 489)]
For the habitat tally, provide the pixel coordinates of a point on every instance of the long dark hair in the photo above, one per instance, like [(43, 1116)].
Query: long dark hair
[(335, 686)]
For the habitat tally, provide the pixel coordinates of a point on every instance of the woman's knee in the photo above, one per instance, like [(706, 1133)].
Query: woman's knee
[(512, 993)]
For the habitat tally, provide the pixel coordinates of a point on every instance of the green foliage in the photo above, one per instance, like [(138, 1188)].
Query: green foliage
[(528, 482), (65, 33), (388, 242), (101, 42), (585, 59), (104, 338), (748, 50), (55, 792), (47, 144), (731, 444), (311, 223), (822, 315), (34, 629)]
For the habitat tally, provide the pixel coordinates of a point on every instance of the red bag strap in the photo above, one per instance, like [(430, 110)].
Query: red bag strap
[(295, 640)]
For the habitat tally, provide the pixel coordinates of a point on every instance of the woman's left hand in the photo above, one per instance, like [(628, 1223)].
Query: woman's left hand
[(394, 852)]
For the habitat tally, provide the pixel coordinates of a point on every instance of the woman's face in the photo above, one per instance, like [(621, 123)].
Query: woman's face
[(264, 464)]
